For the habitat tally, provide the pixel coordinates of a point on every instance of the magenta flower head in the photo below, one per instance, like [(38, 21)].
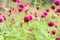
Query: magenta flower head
[(37, 7), (4, 17), (30, 17), (26, 11), (36, 14), (10, 11), (14, 0), (26, 18), (20, 9), (43, 15), (50, 23), (58, 10), (58, 38), (56, 26), (21, 5), (1, 19), (53, 32), (18, 1), (47, 10), (0, 13), (30, 29), (53, 6), (57, 2)]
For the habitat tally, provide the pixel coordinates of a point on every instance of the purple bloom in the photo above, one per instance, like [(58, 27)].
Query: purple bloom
[(30, 17), (53, 6), (4, 17), (26, 10), (43, 15), (14, 0), (1, 19), (58, 38), (26, 18), (21, 5), (57, 2), (37, 7), (58, 9), (50, 23), (20, 9), (35, 14), (47, 10), (0, 13), (53, 32)]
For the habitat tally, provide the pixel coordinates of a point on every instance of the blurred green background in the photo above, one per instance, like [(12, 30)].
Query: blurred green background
[(32, 2)]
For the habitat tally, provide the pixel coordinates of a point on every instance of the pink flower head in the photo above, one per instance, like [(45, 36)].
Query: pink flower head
[(4, 17), (1, 19), (47, 10), (36, 14), (26, 18), (53, 32), (50, 23), (30, 17), (57, 2), (37, 7), (58, 38), (53, 6), (20, 9), (58, 10), (26, 10), (56, 26), (14, 0), (30, 29), (0, 13), (18, 1), (43, 15), (21, 5), (10, 11)]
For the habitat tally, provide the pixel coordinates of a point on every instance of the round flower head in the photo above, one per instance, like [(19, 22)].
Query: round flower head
[(30, 29), (43, 15), (58, 38), (47, 10), (58, 10), (56, 26), (53, 6), (4, 17), (26, 10), (37, 7), (21, 5), (0, 13), (26, 18), (36, 14), (1, 19), (30, 17), (20, 9), (50, 23), (14, 0), (53, 32), (18, 1), (57, 2)]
